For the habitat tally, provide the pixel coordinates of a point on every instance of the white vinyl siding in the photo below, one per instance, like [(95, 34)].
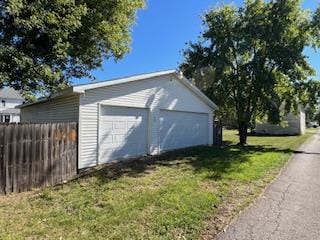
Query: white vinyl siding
[(58, 110), (15, 118), (154, 94)]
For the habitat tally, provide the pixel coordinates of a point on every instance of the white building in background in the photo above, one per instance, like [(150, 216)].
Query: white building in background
[(295, 124), (9, 99)]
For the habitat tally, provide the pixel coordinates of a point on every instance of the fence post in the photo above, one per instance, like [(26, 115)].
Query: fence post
[(217, 133)]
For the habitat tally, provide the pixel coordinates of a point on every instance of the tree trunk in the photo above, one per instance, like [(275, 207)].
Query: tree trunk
[(243, 133)]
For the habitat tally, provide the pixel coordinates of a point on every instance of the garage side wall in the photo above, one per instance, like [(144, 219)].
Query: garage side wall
[(57, 110), (166, 93)]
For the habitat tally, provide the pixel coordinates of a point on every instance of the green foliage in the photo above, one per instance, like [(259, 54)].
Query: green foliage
[(253, 56), (312, 92), (44, 43), (316, 117)]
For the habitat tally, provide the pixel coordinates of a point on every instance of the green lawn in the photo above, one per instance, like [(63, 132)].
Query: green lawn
[(176, 196)]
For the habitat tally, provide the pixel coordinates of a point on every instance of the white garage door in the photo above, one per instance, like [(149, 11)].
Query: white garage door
[(123, 133), (183, 129)]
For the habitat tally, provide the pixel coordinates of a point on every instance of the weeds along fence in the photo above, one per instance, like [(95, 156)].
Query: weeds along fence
[(36, 155)]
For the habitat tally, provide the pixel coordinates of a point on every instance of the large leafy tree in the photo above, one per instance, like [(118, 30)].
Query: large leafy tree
[(254, 58), (44, 43)]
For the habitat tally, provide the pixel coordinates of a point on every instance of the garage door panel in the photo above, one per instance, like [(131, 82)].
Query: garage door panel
[(107, 125), (120, 125), (108, 139), (123, 133), (119, 138), (183, 129)]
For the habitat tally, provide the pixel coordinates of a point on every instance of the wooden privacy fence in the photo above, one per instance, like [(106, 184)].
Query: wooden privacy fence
[(36, 155)]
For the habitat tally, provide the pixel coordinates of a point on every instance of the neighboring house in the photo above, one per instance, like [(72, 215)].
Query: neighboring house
[(294, 124), (130, 117), (9, 99)]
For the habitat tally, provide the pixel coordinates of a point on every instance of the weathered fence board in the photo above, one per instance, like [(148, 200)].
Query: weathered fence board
[(36, 155), (2, 163)]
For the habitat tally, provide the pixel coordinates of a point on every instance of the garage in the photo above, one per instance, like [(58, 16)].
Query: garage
[(180, 129), (123, 133), (130, 117)]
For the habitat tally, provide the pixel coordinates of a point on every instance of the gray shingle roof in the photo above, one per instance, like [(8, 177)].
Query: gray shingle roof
[(10, 93)]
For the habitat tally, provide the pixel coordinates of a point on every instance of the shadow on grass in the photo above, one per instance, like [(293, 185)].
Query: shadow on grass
[(304, 152), (216, 160)]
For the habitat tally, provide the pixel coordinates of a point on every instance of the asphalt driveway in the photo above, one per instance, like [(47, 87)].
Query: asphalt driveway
[(290, 207)]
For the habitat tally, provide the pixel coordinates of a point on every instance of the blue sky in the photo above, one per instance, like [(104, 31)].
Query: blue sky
[(160, 34)]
